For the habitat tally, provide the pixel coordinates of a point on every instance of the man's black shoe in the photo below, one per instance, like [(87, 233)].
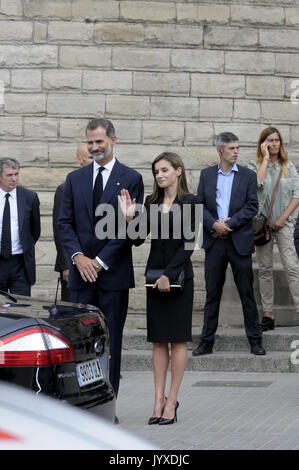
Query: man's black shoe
[(204, 347), (257, 349)]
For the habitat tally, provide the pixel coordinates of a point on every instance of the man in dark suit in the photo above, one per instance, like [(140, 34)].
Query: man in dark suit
[(228, 193), (296, 236), (101, 272), (62, 259), (19, 230)]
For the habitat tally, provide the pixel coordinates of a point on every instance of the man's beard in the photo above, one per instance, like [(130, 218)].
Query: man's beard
[(99, 157)]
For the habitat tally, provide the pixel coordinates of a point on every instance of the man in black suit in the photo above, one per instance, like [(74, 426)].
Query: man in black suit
[(296, 236), (62, 259), (228, 193), (19, 230), (101, 271)]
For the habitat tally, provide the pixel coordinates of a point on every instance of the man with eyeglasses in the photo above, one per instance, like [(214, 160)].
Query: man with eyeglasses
[(101, 272)]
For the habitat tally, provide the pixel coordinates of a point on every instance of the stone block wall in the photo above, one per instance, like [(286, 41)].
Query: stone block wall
[(170, 74)]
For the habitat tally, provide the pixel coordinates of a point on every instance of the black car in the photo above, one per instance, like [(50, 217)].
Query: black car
[(59, 349)]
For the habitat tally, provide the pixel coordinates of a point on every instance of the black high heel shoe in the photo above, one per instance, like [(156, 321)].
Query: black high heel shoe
[(156, 419), (165, 421)]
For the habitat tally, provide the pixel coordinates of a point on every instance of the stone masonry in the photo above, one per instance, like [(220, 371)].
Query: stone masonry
[(170, 74)]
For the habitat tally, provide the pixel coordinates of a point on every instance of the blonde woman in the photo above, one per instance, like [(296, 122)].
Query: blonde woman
[(271, 158)]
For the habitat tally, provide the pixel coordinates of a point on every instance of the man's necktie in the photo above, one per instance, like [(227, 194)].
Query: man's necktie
[(98, 188), (6, 230)]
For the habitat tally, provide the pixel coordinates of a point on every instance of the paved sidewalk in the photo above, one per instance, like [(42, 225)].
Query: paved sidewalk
[(218, 410)]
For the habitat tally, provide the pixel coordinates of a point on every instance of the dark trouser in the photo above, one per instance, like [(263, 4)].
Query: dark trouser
[(217, 258), (13, 278), (65, 292), (114, 305)]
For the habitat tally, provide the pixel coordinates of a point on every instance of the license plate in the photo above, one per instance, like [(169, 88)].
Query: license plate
[(89, 372)]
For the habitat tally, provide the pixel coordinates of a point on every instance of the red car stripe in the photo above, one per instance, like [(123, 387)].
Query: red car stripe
[(7, 436)]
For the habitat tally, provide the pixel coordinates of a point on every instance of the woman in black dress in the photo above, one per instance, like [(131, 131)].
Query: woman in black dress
[(169, 310)]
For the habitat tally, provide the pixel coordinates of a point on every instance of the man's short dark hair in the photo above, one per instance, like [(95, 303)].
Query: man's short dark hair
[(10, 162), (225, 138), (100, 122)]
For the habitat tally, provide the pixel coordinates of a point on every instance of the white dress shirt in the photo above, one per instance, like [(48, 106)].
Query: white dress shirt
[(16, 247), (105, 173)]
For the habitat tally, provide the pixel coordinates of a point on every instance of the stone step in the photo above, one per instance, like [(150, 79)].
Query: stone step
[(227, 339), (141, 360)]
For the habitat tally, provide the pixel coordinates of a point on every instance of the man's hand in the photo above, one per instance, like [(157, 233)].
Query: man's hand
[(87, 267), (221, 228), (65, 275), (216, 235)]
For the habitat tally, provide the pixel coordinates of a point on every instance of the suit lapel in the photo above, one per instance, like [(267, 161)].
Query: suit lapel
[(20, 208), (234, 191), (87, 189), (114, 183), (213, 186)]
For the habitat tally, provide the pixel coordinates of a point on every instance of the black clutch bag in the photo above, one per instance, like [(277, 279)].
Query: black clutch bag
[(152, 275)]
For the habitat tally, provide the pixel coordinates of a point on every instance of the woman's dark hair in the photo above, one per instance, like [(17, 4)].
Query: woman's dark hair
[(176, 162)]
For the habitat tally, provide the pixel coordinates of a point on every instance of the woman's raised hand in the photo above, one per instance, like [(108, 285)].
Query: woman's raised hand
[(265, 150), (127, 204)]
